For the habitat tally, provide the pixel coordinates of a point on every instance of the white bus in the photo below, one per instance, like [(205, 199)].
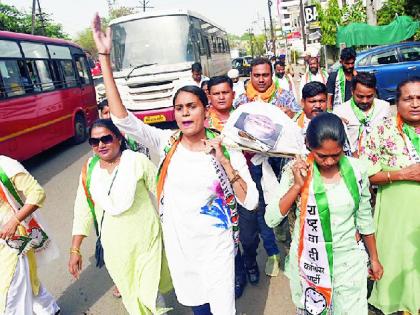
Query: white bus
[(153, 52)]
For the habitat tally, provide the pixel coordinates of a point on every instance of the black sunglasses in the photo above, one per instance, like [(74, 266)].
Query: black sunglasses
[(94, 142)]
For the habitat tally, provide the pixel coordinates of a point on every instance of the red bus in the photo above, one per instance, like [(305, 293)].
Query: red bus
[(46, 94)]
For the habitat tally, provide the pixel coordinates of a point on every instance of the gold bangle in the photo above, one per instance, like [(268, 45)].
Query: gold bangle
[(17, 220), (389, 177), (75, 250)]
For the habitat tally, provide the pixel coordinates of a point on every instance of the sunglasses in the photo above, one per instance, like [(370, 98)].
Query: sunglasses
[(94, 142)]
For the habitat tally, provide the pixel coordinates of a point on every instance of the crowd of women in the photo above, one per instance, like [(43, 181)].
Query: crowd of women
[(190, 243)]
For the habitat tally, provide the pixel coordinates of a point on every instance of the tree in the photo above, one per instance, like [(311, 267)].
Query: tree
[(390, 9), (355, 13), (13, 20), (85, 37), (329, 18)]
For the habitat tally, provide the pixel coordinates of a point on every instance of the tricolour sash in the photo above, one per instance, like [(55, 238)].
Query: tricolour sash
[(315, 249), (229, 196), (411, 139), (31, 233)]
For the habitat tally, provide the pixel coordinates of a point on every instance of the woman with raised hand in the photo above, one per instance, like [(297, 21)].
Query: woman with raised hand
[(393, 150), (113, 193), (327, 268), (24, 243), (199, 182)]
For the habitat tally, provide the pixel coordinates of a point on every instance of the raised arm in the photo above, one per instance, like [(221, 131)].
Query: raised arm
[(103, 42)]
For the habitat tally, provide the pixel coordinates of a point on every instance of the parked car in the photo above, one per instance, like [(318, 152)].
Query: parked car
[(391, 64), (243, 65)]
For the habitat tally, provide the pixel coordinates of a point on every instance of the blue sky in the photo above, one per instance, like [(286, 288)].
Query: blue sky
[(236, 16)]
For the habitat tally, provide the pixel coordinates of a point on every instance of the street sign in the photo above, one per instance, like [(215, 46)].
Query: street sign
[(314, 36), (311, 14)]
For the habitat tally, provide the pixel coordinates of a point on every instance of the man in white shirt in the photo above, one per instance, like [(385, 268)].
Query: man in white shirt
[(314, 73), (363, 111), (282, 79)]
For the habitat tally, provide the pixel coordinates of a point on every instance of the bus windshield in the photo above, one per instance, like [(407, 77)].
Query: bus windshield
[(156, 40)]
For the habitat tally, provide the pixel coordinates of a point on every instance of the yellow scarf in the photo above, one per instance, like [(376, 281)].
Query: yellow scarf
[(214, 121), (254, 95)]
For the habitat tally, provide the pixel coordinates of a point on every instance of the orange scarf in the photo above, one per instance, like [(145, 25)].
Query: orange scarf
[(214, 121), (254, 95)]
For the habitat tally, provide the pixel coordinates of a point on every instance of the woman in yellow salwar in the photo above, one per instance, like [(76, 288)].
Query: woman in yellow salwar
[(113, 193), (23, 241)]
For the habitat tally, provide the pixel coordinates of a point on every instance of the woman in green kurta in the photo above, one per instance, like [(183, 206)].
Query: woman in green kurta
[(333, 189), (393, 150), (128, 225)]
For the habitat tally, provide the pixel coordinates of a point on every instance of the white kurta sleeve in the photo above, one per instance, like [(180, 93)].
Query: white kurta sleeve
[(149, 136), (238, 162)]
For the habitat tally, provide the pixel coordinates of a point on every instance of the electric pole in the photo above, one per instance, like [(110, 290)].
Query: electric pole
[(144, 5), (41, 17), (302, 22), (33, 16), (273, 38), (250, 42), (265, 35)]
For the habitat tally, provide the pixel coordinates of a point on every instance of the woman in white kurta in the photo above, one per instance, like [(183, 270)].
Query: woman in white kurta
[(196, 216), (20, 289)]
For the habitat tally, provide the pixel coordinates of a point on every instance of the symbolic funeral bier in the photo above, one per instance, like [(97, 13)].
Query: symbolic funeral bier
[(262, 127)]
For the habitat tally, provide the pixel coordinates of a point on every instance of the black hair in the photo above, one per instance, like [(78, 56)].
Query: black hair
[(313, 88), (364, 78), (193, 90), (347, 54), (219, 80), (196, 67), (414, 79), (279, 63), (325, 126), (206, 82), (261, 61), (108, 124), (102, 104)]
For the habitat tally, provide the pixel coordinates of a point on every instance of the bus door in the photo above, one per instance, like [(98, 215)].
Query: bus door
[(87, 87)]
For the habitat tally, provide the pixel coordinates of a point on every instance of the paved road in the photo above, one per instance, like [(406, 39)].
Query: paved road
[(58, 171)]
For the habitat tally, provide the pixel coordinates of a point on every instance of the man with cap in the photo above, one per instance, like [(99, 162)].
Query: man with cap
[(314, 73), (238, 86)]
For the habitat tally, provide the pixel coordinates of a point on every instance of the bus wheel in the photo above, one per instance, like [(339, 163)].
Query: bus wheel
[(80, 131)]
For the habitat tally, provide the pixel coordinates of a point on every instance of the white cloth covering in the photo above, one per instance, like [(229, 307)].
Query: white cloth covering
[(200, 254), (381, 110), (20, 298)]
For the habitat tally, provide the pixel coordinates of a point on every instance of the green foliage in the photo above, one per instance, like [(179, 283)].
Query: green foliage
[(329, 18), (13, 20), (390, 9), (355, 13), (121, 11)]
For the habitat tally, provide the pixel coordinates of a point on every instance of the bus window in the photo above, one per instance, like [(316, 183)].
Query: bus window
[(9, 49), (44, 75), (59, 52), (57, 74), (32, 50), (12, 79), (82, 70), (69, 74)]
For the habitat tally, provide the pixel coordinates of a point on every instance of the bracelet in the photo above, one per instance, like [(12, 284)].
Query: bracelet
[(389, 178), (17, 220), (76, 251), (104, 54), (235, 177)]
